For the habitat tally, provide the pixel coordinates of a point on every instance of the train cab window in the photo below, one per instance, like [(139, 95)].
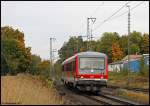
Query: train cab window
[(92, 63)]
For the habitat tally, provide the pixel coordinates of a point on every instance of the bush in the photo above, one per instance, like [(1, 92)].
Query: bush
[(15, 56), (144, 70), (124, 71)]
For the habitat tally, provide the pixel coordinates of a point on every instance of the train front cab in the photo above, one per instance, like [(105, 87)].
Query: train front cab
[(91, 79)]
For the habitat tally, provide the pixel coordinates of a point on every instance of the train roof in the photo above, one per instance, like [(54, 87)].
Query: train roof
[(85, 54)]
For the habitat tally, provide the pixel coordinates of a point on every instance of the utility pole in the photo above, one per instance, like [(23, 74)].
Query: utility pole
[(89, 36), (128, 29), (128, 41), (51, 59), (87, 32)]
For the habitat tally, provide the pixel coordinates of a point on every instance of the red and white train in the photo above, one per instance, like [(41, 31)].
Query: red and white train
[(86, 71)]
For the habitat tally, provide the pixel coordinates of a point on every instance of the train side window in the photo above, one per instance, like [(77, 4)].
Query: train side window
[(68, 67), (65, 67), (74, 65), (71, 66)]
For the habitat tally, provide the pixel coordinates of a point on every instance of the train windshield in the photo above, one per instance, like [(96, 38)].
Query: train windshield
[(92, 63)]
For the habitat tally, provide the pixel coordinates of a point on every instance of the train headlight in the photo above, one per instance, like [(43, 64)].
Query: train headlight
[(81, 76)]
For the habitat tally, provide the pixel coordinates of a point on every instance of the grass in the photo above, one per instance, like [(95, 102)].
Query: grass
[(135, 80), (27, 89), (138, 97)]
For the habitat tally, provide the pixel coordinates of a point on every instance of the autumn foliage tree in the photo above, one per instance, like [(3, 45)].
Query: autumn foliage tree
[(16, 57), (44, 69), (117, 52), (139, 44), (104, 44)]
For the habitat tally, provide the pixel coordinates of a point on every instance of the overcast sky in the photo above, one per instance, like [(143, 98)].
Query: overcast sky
[(40, 20)]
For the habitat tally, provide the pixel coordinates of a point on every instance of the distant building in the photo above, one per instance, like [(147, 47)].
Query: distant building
[(132, 57), (146, 59), (133, 63), (116, 66)]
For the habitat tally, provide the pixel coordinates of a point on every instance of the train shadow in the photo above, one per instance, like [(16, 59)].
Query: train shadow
[(81, 92)]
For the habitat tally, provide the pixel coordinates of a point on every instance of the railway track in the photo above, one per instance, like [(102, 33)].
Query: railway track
[(110, 100), (86, 98), (131, 89)]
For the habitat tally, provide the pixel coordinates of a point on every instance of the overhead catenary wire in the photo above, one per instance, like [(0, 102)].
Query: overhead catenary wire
[(94, 12), (111, 16), (117, 16), (127, 11)]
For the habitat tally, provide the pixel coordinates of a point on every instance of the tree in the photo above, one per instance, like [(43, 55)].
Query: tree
[(117, 52), (58, 70), (35, 61), (135, 40), (137, 44), (4, 66), (123, 42), (105, 43), (44, 69), (134, 49), (144, 69), (145, 44), (10, 54), (74, 45), (17, 56)]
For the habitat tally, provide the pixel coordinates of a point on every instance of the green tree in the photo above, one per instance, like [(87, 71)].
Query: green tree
[(136, 37), (134, 49), (35, 61), (17, 56), (144, 70), (104, 44), (145, 44), (74, 45), (44, 69), (137, 44), (135, 40), (123, 42), (58, 70), (4, 66)]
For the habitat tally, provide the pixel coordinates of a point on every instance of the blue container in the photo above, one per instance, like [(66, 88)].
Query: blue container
[(134, 65)]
